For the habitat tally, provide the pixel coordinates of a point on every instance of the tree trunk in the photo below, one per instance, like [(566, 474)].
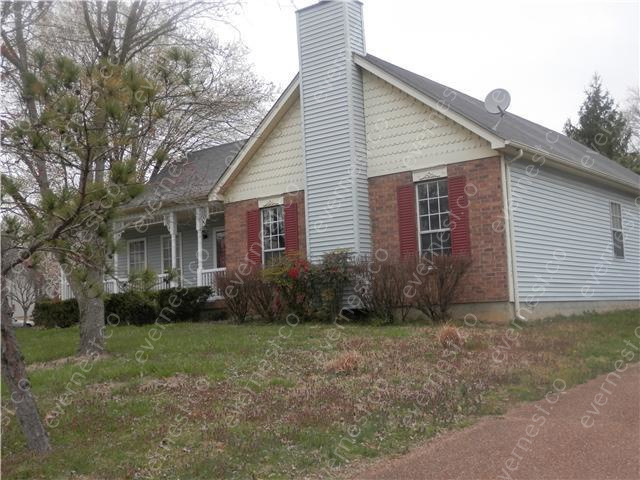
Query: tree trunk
[(91, 306), (15, 375)]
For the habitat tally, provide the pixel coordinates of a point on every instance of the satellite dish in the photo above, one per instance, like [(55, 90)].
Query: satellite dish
[(497, 101)]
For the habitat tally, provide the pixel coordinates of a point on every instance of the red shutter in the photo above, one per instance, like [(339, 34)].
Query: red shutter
[(291, 246), (459, 216), (254, 242), (406, 196)]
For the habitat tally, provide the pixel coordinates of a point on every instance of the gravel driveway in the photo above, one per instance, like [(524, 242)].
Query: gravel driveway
[(588, 432)]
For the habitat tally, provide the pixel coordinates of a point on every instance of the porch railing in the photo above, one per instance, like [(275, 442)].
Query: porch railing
[(209, 278), (111, 286)]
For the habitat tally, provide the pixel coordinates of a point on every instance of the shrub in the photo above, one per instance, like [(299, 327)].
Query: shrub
[(383, 287), (328, 283), (233, 288), (264, 297), (188, 302), (450, 337), (441, 281), (131, 308), (291, 281), (311, 291), (55, 313)]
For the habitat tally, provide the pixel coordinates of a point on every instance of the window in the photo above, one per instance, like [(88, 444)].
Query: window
[(433, 217), (137, 255), (272, 234), (166, 253), (616, 228)]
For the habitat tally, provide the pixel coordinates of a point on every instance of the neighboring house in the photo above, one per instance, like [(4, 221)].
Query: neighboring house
[(30, 281), (361, 154)]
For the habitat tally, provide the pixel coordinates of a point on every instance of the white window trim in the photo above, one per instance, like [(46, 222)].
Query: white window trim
[(268, 202), (418, 229), (262, 231), (614, 229), (430, 173), (179, 245), (129, 242)]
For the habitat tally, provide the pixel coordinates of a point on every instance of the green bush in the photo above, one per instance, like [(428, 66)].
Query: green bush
[(55, 313), (131, 308), (290, 281), (187, 303), (311, 291)]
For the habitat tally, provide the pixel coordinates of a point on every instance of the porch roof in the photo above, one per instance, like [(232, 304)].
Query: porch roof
[(187, 181)]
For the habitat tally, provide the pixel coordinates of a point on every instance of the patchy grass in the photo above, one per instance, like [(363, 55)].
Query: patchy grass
[(255, 401)]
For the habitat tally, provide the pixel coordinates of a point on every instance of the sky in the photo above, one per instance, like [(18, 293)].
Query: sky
[(543, 52)]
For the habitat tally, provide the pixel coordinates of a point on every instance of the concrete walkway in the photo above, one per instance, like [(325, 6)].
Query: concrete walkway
[(562, 437)]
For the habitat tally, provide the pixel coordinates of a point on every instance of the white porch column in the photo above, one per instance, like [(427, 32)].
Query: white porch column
[(171, 222), (202, 214)]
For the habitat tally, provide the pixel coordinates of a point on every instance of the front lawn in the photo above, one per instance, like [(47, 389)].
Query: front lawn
[(277, 401)]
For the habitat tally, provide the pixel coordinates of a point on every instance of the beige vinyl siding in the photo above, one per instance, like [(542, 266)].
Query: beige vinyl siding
[(276, 167), (403, 134)]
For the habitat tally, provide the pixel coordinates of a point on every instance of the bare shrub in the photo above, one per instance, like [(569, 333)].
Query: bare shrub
[(345, 363), (233, 288), (439, 283), (263, 296), (382, 287), (450, 337)]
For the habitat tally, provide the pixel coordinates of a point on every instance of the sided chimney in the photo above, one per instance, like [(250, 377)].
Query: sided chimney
[(336, 190)]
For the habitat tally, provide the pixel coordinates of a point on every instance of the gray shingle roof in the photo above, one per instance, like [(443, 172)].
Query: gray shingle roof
[(189, 180), (512, 127)]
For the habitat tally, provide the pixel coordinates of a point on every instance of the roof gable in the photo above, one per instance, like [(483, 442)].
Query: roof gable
[(512, 130), (276, 167), (258, 137), (404, 134)]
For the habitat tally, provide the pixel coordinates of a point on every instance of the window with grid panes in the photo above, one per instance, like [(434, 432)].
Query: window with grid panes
[(272, 234), (433, 217)]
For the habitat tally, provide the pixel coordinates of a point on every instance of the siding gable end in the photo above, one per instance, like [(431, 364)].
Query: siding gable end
[(404, 134), (277, 166)]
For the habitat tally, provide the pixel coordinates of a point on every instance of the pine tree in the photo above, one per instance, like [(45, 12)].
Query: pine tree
[(601, 126)]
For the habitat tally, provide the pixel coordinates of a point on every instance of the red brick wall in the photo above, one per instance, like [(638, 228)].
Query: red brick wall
[(235, 221), (487, 279), (298, 197), (383, 206)]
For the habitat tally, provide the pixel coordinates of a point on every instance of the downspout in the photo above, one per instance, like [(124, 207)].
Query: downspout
[(512, 242)]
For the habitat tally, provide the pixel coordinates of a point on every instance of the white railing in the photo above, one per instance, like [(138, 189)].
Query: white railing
[(209, 279), (123, 284)]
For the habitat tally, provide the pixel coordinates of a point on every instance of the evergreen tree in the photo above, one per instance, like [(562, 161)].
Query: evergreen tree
[(601, 126), (96, 97)]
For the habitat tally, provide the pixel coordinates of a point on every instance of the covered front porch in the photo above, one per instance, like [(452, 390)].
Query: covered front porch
[(183, 246)]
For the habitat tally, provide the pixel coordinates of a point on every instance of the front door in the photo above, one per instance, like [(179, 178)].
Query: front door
[(218, 249)]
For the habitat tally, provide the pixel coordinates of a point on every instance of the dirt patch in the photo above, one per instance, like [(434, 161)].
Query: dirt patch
[(60, 362), (180, 381), (104, 389)]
